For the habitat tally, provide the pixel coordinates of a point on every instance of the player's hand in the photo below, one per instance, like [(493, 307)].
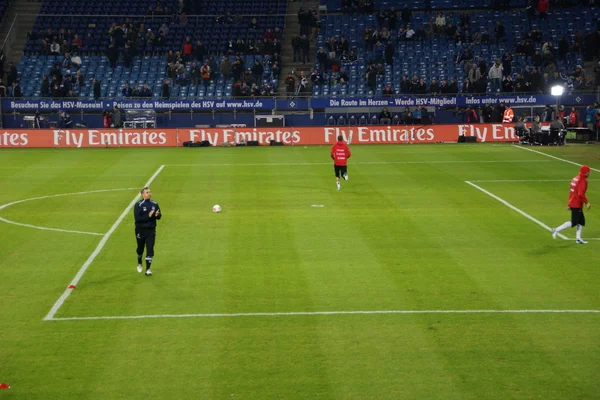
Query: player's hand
[(589, 206), (151, 212), (157, 213)]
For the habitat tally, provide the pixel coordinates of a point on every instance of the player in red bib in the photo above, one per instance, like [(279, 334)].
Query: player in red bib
[(577, 200), (340, 153)]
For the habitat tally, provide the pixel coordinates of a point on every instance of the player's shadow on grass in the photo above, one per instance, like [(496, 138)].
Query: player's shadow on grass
[(551, 248), (110, 279)]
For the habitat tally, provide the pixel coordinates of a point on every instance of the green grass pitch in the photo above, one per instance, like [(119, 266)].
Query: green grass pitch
[(405, 233)]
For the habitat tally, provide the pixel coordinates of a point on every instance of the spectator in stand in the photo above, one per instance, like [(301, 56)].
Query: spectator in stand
[(322, 59), (579, 85), (508, 84), (12, 74), (597, 76), (297, 48), (205, 73), (237, 69), (434, 88), (420, 87), (112, 53), (371, 77), (452, 86), (16, 90), (331, 46), (276, 71), (96, 89), (164, 30), (389, 52), (474, 74), (495, 75), (388, 91), (165, 92), (182, 78), (542, 7), (225, 68), (76, 43), (485, 37), (45, 88), (316, 77), (343, 77), (385, 117), (195, 73), (54, 47), (500, 32), (406, 15), (443, 86), (56, 91), (127, 91), (468, 87), (410, 33), (200, 51), (188, 49), (305, 49), (506, 63), (257, 71), (352, 57), (145, 92), (290, 85), (440, 23)]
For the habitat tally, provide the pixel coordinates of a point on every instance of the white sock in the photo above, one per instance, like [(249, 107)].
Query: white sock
[(339, 185), (579, 229), (564, 226)]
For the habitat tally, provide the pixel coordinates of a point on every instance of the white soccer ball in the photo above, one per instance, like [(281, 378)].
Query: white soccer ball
[(216, 208)]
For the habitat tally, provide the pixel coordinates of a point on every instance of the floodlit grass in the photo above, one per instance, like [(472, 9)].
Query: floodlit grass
[(405, 233)]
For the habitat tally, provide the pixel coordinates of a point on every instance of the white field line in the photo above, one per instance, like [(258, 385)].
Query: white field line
[(522, 180), (310, 313), (356, 163), (92, 256), (523, 213), (554, 157), (43, 228)]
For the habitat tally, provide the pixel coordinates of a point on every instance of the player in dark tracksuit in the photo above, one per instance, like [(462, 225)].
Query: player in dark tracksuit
[(146, 212)]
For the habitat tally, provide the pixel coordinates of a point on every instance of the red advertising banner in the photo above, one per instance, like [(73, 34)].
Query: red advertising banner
[(355, 134), (290, 136), (75, 138)]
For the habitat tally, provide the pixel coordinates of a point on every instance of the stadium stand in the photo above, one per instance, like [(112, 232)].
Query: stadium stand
[(440, 54), (152, 35), (426, 53)]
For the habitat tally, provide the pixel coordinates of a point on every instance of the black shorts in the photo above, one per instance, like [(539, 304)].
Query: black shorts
[(144, 233), (577, 217), (340, 170)]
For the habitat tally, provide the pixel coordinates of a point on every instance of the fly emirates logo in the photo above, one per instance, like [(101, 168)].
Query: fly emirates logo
[(363, 134), (12, 139), (488, 133), (92, 138)]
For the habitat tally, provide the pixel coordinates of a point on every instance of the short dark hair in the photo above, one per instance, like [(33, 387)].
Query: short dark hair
[(340, 137), (143, 189)]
